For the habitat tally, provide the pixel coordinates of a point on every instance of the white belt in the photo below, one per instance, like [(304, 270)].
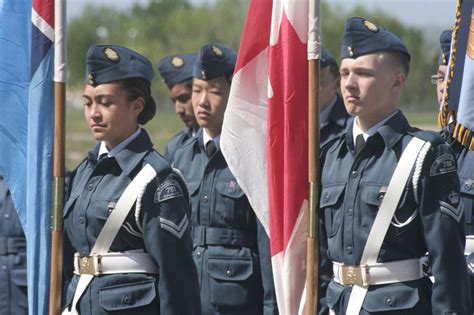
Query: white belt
[(127, 262), (378, 273), (469, 249)]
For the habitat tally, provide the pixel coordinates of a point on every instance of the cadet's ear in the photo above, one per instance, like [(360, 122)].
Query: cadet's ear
[(138, 105), (399, 82)]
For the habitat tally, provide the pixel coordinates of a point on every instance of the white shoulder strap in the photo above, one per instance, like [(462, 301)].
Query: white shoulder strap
[(112, 227), (384, 216)]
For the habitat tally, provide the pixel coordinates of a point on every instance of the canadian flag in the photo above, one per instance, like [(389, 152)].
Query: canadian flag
[(265, 135)]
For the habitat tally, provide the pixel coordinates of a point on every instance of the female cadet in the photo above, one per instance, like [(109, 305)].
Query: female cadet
[(126, 218), (231, 247)]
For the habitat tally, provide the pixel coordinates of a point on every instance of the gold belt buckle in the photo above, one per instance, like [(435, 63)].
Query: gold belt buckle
[(354, 275), (89, 265)]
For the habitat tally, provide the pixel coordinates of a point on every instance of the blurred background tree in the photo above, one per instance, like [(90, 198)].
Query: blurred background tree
[(162, 27)]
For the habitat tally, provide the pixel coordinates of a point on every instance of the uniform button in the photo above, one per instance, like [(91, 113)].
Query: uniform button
[(468, 184), (326, 196), (4, 267), (355, 174), (198, 254), (389, 302), (229, 273), (206, 198), (90, 186), (126, 299), (82, 220), (7, 215), (349, 211), (349, 249)]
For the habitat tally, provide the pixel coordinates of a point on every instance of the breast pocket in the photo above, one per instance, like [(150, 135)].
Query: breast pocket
[(127, 298), (371, 198), (330, 204), (193, 187), (230, 203), (233, 283)]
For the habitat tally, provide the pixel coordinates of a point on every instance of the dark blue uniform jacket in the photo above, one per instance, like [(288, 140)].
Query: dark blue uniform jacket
[(177, 142), (352, 188), (94, 190), (13, 297), (230, 247), (337, 122)]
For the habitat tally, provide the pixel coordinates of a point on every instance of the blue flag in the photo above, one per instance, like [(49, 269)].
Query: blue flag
[(458, 107), (26, 130)]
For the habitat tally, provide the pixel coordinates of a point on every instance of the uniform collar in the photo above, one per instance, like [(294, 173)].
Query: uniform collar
[(391, 130), (206, 138), (129, 157), (103, 148)]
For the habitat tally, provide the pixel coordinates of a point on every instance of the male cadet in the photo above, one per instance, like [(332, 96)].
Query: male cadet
[(465, 159), (438, 78), (177, 73), (333, 115), (375, 230), (230, 247), (13, 295)]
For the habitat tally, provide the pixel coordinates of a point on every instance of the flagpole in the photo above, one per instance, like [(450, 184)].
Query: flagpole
[(314, 54), (58, 167)]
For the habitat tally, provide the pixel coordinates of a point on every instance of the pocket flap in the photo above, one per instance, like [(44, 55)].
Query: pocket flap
[(19, 277), (229, 188), (230, 268), (193, 187), (127, 296), (330, 195), (372, 195), (69, 205), (393, 297), (333, 294)]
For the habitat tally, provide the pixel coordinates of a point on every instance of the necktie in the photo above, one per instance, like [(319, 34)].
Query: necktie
[(211, 148), (360, 142)]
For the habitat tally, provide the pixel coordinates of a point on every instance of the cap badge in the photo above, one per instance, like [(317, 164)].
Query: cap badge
[(371, 26), (111, 54), (217, 51), (349, 50), (177, 62)]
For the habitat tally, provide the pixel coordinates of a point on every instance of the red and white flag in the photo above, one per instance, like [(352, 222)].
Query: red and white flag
[(265, 134)]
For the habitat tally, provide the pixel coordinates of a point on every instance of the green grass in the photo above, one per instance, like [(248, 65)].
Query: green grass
[(79, 139), (165, 124)]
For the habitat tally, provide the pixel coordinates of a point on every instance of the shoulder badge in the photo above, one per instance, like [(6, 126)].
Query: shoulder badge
[(168, 190), (371, 26), (177, 62), (443, 164), (111, 54), (217, 51)]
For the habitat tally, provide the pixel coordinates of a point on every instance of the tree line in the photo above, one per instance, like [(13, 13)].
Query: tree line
[(164, 27)]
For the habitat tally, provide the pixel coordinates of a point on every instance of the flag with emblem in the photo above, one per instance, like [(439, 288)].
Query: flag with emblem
[(26, 129), (265, 134), (458, 103)]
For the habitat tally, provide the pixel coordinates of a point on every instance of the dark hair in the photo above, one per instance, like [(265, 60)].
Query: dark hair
[(399, 60), (334, 69), (140, 87)]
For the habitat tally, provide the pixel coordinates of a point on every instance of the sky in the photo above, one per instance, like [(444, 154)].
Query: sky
[(432, 16)]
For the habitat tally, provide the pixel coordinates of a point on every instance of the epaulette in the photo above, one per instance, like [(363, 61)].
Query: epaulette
[(431, 136), (158, 162)]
